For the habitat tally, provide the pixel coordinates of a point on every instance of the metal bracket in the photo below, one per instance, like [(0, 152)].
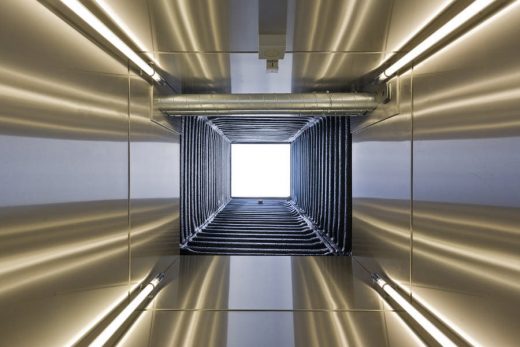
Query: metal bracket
[(384, 92)]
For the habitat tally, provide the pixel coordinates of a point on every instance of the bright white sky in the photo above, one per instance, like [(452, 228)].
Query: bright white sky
[(260, 170)]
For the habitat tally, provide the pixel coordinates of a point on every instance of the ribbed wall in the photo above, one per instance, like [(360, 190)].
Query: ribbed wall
[(320, 176), (206, 173)]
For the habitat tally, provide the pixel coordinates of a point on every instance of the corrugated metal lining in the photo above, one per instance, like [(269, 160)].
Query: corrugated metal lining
[(205, 179), (320, 187), (321, 178), (244, 226), (262, 129)]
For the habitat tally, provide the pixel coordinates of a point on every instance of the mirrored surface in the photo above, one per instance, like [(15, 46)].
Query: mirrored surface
[(238, 329), (268, 283)]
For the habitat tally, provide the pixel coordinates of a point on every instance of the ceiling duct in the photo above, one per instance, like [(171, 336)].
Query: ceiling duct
[(274, 104)]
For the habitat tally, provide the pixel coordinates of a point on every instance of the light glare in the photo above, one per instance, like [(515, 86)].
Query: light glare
[(438, 335), (452, 25), (110, 330), (104, 31), (260, 170)]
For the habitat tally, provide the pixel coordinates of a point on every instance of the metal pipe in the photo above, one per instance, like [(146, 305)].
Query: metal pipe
[(283, 104)]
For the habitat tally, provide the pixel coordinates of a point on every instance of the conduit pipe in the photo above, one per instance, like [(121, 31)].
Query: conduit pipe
[(282, 104)]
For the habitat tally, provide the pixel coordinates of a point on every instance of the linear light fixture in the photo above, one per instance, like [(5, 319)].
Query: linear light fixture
[(111, 329), (88, 17), (438, 335), (455, 23)]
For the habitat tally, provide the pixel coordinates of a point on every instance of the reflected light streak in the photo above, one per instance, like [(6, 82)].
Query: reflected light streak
[(47, 85), (99, 318), (454, 24), (452, 255), (20, 94), (445, 320), (328, 292), (435, 332), (89, 18), (399, 47), (182, 24), (123, 316), (485, 99), (122, 25), (72, 256)]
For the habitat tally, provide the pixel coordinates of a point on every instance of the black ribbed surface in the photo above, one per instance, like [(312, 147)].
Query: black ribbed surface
[(246, 227)]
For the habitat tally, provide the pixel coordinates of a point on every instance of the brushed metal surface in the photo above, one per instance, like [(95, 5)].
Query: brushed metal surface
[(252, 329), (466, 184), (154, 186), (345, 26), (64, 222), (465, 176), (197, 72), (407, 18), (268, 301), (277, 283), (212, 46), (381, 193), (63, 206)]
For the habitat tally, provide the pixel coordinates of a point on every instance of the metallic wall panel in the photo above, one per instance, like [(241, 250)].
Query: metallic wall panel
[(331, 26), (268, 328), (133, 18), (154, 186), (330, 71), (381, 193), (195, 72), (276, 283), (466, 183), (191, 26), (407, 17), (333, 46), (63, 177), (268, 301)]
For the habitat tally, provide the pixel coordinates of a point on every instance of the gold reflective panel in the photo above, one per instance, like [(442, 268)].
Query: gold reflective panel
[(268, 301), (466, 212), (464, 174), (64, 209)]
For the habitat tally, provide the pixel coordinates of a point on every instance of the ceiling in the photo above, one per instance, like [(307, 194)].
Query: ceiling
[(212, 45)]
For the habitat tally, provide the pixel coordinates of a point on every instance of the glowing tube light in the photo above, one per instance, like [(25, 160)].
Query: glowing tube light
[(110, 330), (455, 23), (89, 18), (438, 335)]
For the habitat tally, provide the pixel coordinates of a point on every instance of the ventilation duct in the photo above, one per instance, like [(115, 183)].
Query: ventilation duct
[(281, 104)]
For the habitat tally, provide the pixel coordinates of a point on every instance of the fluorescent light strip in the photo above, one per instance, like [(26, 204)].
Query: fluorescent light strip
[(111, 329), (456, 22), (438, 335), (89, 18)]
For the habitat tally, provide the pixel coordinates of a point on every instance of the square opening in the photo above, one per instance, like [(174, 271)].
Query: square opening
[(260, 170)]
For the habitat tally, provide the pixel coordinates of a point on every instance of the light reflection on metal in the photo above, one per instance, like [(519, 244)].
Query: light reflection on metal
[(112, 328), (435, 332), (399, 47), (122, 25), (36, 269), (455, 23), (104, 31)]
